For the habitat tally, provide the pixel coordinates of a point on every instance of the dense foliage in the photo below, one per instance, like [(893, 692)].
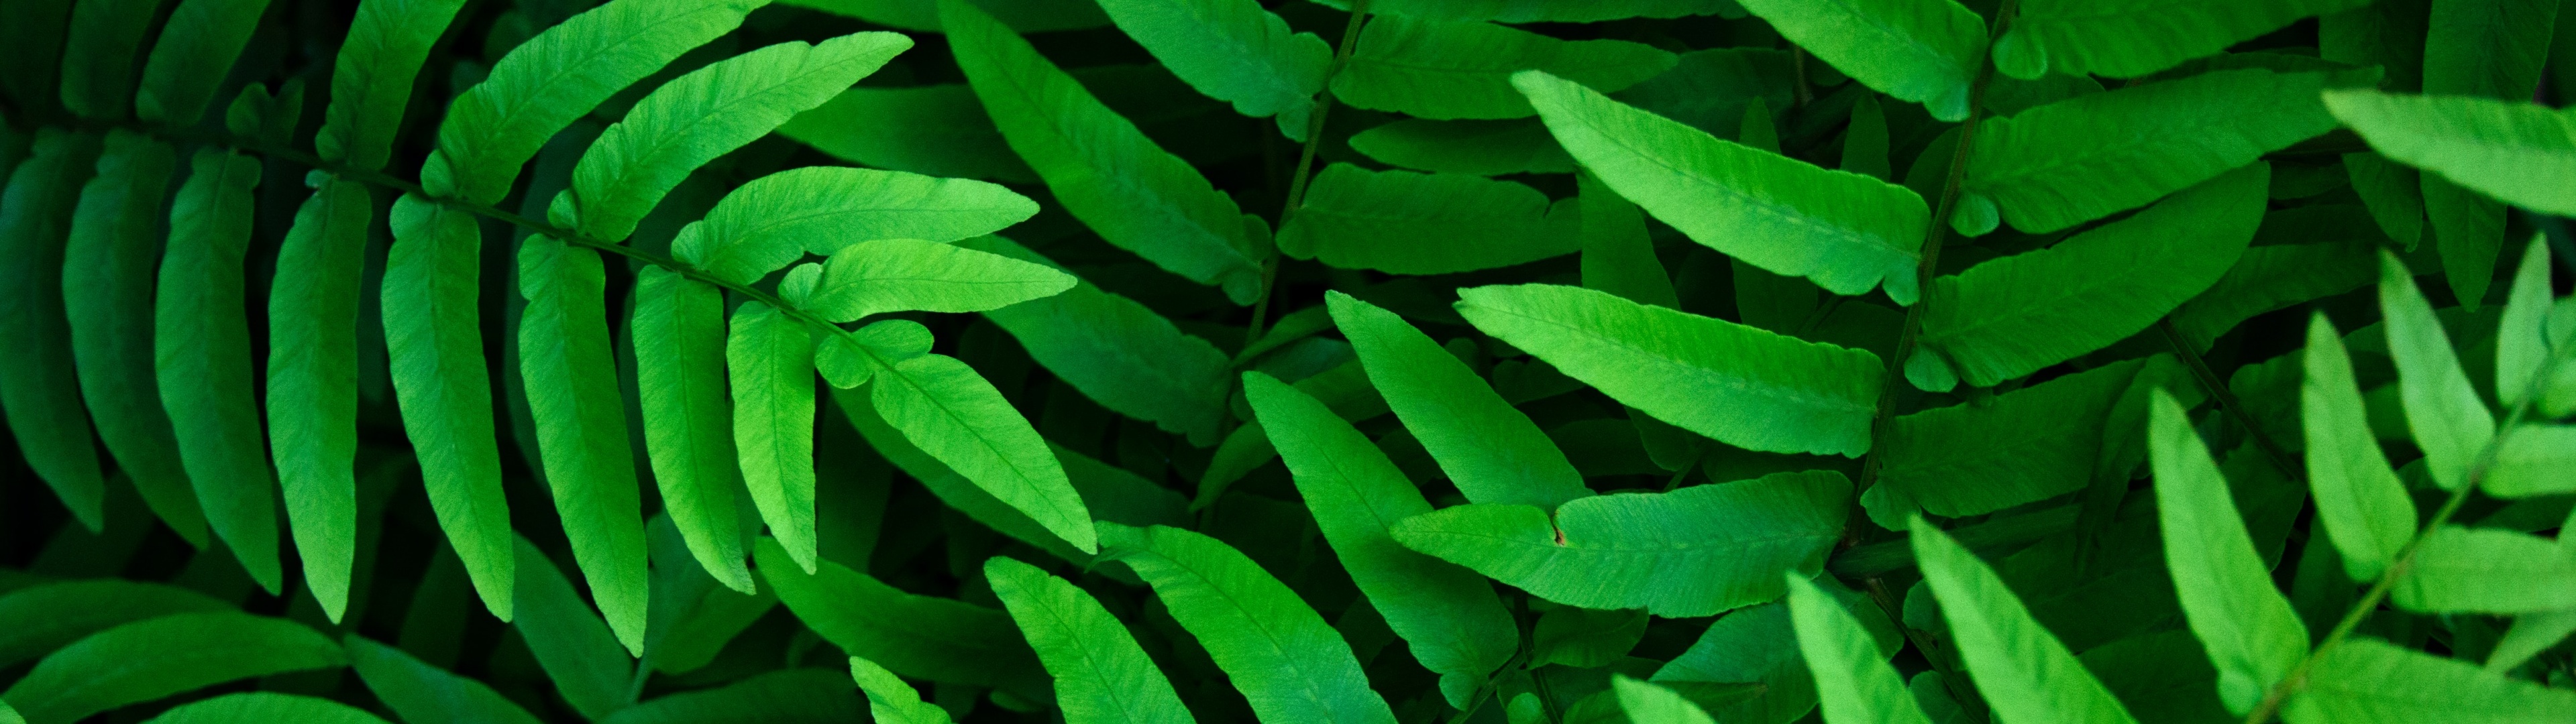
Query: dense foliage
[(1652, 361)]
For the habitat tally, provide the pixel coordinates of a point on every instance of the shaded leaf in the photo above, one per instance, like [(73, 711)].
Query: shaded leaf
[(436, 345), (2084, 158), (154, 658)]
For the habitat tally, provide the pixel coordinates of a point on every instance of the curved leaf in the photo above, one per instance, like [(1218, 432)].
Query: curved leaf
[(1106, 173), (2025, 446), (2130, 38), (938, 639), (1401, 222), (1101, 675), (421, 693), (2360, 502), (1272, 646), (38, 385), (704, 114), (1441, 69), (2521, 153), (2013, 316), (1925, 51), (259, 707), (1481, 148), (579, 654), (940, 130), (901, 275), (556, 77), (1118, 352), (770, 358), (435, 342), (2080, 159), (2486, 570), (679, 337), (198, 44), (889, 699), (952, 413), (2451, 423), (1493, 453), (1696, 551), (786, 696), (154, 658), (313, 383), (108, 259), (371, 80), (201, 345), (1233, 51), (1854, 682), (2023, 671), (2369, 680), (1845, 231), (1739, 385), (581, 425), (36, 620), (776, 219), (2253, 636), (2270, 278), (99, 49)]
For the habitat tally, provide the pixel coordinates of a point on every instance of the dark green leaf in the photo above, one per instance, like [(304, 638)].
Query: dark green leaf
[(154, 658)]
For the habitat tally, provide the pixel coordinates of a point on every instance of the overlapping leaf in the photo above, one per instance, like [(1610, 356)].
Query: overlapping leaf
[(2076, 160)]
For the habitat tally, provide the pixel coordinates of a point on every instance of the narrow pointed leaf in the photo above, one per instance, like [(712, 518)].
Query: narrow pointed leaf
[(889, 699), (1845, 231), (1647, 703), (1119, 352), (2364, 508), (37, 385), (679, 336), (1101, 675), (99, 51), (1696, 551), (1272, 646), (2370, 680), (1737, 384), (36, 620), (776, 219), (2485, 48), (2016, 315), (107, 292), (2253, 636), (770, 357), (2521, 153), (570, 642), (1401, 222), (707, 113), (201, 342), (1482, 148), (436, 344), (2486, 570), (1492, 452), (371, 80), (1105, 172), (419, 692), (313, 383), (2028, 445), (154, 658), (1443, 70), (198, 45), (2522, 332), (2450, 422), (2273, 277), (2130, 38), (2076, 160), (581, 425), (1853, 680), (554, 78), (1925, 51), (2024, 672), (1448, 615), (1233, 51), (939, 639), (956, 416), (898, 275)]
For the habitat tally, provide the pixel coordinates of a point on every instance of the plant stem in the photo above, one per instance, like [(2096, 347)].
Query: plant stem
[(2361, 610), (1305, 165), (2217, 388)]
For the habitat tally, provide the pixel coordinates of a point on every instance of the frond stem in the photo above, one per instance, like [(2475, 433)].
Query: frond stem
[(1305, 165), (2217, 388)]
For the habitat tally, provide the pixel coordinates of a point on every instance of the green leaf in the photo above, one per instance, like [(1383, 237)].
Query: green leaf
[(1274, 648), (1618, 254), (1739, 385), (1492, 452), (1696, 551), (2521, 153), (776, 219), (2486, 570), (889, 699), (1646, 703), (1925, 51), (770, 357), (939, 130), (154, 658), (2369, 680), (313, 383), (1027, 16), (371, 81), (2450, 423), (421, 693), (1865, 140), (1101, 675), (2131, 38), (692, 619), (939, 639), (2493, 49), (579, 654), (1845, 231), (1853, 680), (38, 386), (1516, 11), (1481, 148), (785, 696), (2024, 446), (1584, 638), (2270, 278), (2361, 503), (952, 413), (435, 342), (1107, 174), (1234, 51), (2084, 158), (901, 275), (109, 259), (2253, 636), (36, 620), (953, 489), (704, 114), (1119, 352), (2533, 461), (2023, 671), (1401, 222), (1448, 615), (254, 707), (2531, 634), (2014, 316), (1444, 70), (100, 48), (2522, 331), (581, 426), (198, 44), (202, 352), (555, 78), (679, 338)]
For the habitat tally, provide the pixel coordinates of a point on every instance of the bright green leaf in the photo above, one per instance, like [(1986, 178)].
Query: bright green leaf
[(770, 357), (2450, 422), (1288, 663), (313, 383), (436, 343), (371, 81), (1924, 51), (2023, 671), (1492, 452), (581, 426), (1234, 51), (1101, 675), (2364, 508), (2252, 635)]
